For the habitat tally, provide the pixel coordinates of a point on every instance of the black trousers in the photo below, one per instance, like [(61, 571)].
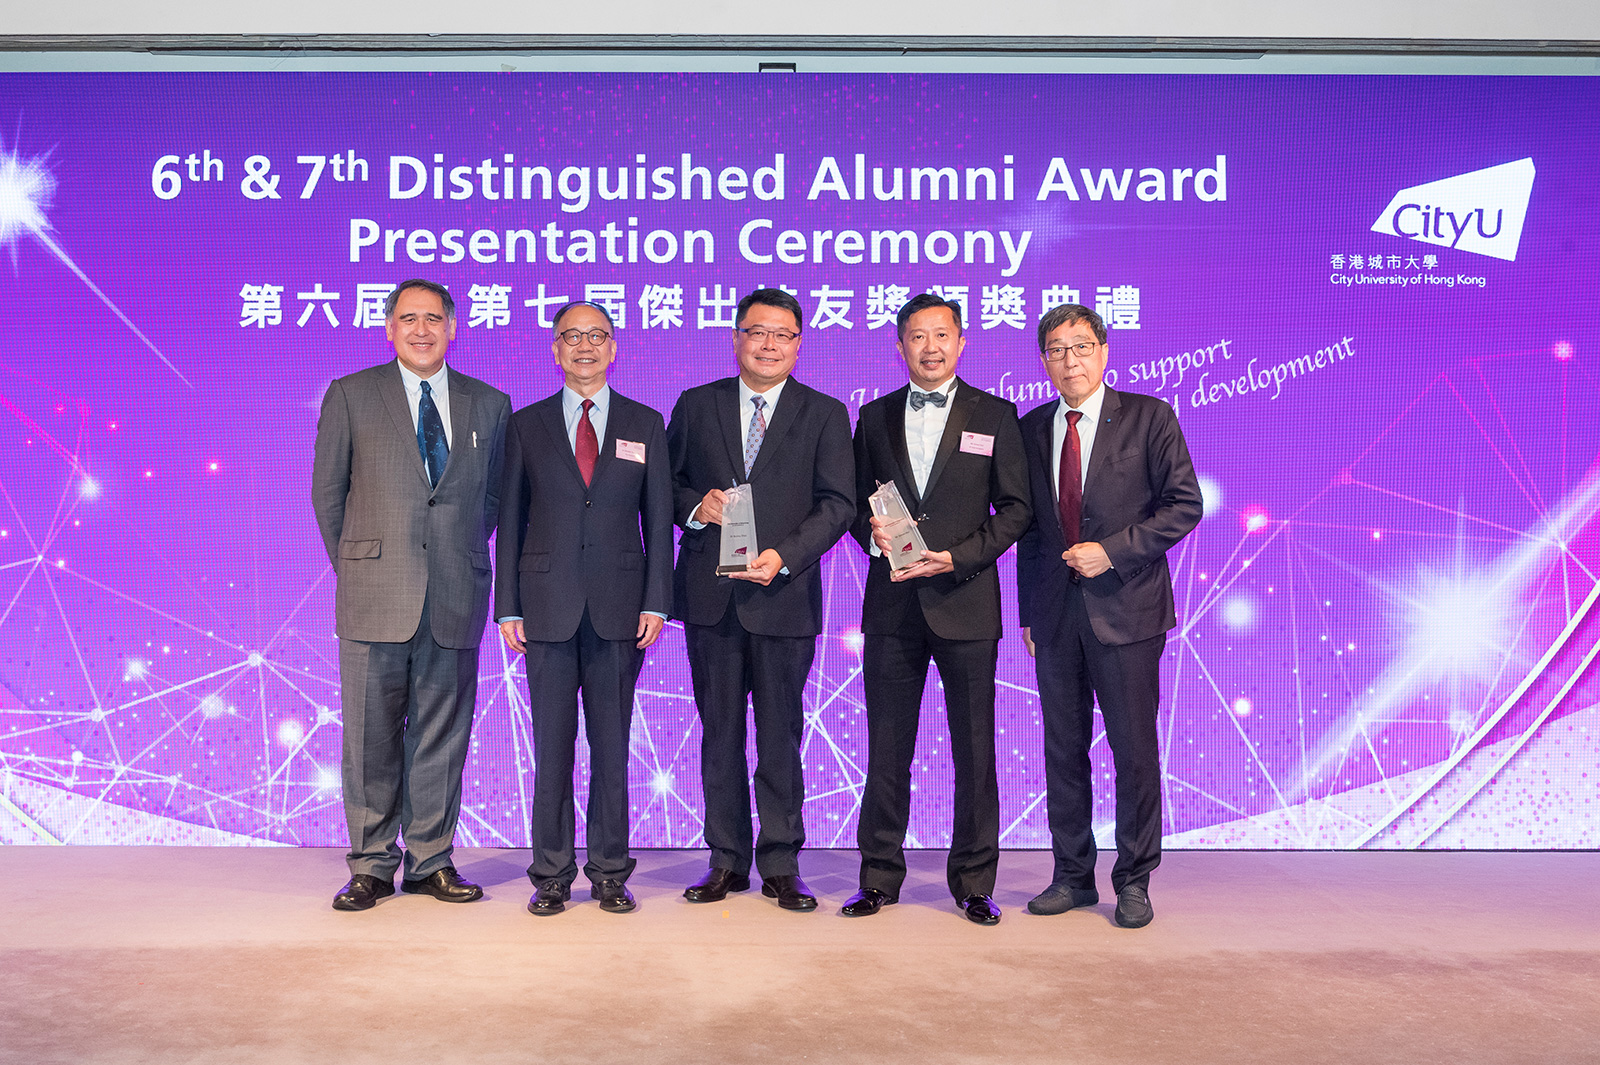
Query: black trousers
[(733, 669), (606, 672), (895, 670), (1074, 669)]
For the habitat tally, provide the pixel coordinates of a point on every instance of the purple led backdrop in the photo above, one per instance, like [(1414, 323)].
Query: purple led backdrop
[(1372, 301)]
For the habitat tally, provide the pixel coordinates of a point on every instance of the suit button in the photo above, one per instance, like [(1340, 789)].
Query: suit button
[(588, 502), (431, 502)]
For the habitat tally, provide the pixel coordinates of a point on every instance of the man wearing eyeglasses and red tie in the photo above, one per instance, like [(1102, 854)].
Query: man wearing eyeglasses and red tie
[(752, 635), (1095, 597), (583, 584)]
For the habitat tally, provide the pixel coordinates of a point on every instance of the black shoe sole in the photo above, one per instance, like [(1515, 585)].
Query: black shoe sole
[(421, 889), (350, 906), (740, 883), (1066, 909), (865, 911), (805, 904)]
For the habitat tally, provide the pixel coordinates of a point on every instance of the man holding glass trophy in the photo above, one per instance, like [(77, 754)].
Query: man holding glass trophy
[(951, 456), (763, 486)]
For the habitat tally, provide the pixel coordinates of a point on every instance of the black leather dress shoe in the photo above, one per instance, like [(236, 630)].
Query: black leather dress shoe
[(362, 893), (444, 884), (980, 909), (790, 891), (715, 885), (866, 902), (1059, 898), (550, 898), (1133, 907), (614, 896)]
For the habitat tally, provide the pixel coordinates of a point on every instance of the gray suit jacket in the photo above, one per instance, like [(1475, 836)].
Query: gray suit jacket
[(392, 539)]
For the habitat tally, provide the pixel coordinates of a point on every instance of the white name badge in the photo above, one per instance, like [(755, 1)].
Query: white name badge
[(630, 451), (977, 444)]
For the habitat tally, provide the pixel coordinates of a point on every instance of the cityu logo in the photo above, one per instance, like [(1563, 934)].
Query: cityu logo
[(1480, 212)]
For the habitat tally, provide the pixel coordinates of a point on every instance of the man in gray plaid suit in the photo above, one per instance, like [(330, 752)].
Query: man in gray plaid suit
[(406, 484)]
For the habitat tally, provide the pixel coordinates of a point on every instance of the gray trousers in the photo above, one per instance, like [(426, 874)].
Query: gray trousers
[(407, 721)]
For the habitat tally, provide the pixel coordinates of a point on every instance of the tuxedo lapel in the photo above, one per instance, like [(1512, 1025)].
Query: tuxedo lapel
[(393, 390), (894, 423), (961, 407)]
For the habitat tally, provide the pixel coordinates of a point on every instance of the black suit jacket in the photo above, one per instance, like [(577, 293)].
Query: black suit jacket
[(564, 546), (1139, 499), (804, 487), (975, 507)]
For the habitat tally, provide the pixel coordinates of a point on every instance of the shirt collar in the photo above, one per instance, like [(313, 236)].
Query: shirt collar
[(1090, 409), (770, 395), (948, 388), (572, 403), (439, 381)]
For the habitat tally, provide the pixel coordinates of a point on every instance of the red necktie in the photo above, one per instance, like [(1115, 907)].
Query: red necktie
[(587, 449), (1070, 489)]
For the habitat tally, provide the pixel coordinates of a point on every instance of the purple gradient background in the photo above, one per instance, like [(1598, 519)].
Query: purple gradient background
[(1425, 513)]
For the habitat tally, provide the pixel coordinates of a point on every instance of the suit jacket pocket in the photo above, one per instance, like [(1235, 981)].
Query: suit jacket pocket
[(1112, 460), (535, 562), (360, 548), (480, 560)]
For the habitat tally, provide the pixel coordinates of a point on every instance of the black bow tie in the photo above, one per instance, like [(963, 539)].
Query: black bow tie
[(922, 399)]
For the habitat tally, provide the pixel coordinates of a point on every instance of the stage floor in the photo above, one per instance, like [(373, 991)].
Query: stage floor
[(233, 955)]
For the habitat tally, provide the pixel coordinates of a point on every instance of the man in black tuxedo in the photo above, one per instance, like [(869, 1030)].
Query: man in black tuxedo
[(584, 564), (753, 636), (955, 453), (1095, 597)]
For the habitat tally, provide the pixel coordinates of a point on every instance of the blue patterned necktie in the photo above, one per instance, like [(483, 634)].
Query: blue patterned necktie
[(758, 431), (430, 435)]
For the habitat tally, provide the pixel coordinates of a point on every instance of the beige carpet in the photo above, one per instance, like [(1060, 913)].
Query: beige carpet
[(213, 955)]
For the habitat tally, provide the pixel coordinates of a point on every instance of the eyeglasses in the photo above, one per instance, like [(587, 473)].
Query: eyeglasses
[(758, 335), (1082, 350), (593, 336)]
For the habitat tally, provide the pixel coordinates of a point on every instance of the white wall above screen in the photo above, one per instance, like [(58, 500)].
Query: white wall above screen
[(1367, 19)]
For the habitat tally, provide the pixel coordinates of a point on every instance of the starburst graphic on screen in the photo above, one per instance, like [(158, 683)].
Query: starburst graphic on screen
[(25, 190)]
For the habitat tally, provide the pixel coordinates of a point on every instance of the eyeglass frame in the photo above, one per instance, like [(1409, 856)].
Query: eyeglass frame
[(759, 333), (571, 337), (1083, 350)]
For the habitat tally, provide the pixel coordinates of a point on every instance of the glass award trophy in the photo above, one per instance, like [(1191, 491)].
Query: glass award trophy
[(739, 548), (905, 540)]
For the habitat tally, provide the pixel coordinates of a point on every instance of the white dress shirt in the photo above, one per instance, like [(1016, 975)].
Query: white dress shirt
[(1086, 433), (438, 387), (924, 430)]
